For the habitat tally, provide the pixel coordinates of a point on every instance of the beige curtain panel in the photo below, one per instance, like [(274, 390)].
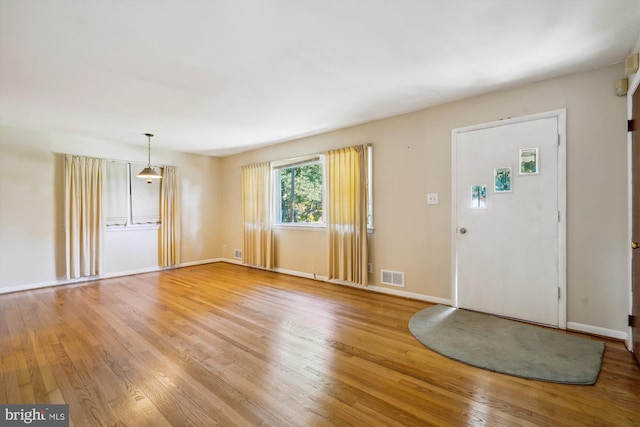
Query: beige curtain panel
[(169, 218), (257, 215), (347, 213), (84, 222)]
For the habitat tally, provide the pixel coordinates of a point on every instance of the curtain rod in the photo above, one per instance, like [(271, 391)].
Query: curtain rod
[(118, 160), (305, 156)]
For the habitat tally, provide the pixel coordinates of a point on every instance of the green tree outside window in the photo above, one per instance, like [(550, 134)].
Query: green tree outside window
[(301, 194)]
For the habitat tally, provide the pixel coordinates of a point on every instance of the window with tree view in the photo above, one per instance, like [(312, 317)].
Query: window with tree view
[(300, 193)]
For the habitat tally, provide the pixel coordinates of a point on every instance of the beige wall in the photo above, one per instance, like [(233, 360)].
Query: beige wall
[(412, 157), (32, 216)]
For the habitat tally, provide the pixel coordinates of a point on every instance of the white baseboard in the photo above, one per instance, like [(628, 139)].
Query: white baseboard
[(30, 286), (232, 261), (412, 295), (51, 283), (578, 327), (595, 330), (374, 288), (203, 261), (301, 274)]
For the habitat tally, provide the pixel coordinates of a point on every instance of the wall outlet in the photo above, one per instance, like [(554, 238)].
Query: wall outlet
[(224, 248), (432, 198), (370, 267)]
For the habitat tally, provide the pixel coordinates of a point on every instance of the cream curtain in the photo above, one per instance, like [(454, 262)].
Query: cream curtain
[(347, 213), (169, 218), (84, 221), (257, 215)]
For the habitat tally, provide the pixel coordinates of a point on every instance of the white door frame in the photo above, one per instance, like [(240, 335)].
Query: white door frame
[(634, 85), (561, 116)]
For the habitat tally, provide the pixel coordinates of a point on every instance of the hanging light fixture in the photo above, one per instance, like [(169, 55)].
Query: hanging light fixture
[(149, 173)]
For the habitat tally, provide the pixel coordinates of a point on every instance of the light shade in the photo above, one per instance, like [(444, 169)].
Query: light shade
[(149, 172)]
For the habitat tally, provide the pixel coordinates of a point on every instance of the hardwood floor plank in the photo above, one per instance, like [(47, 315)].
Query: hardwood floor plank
[(227, 345)]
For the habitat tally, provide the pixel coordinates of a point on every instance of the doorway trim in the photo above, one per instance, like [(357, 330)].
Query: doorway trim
[(561, 117), (634, 86)]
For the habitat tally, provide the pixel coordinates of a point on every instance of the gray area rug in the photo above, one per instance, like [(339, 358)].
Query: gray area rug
[(507, 346)]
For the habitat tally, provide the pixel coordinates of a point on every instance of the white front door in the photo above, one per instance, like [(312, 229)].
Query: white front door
[(508, 241)]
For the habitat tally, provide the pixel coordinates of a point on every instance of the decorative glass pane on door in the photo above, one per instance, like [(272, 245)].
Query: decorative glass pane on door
[(529, 164), (479, 196), (502, 180)]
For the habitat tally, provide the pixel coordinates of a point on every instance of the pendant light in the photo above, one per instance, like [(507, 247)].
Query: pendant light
[(149, 173)]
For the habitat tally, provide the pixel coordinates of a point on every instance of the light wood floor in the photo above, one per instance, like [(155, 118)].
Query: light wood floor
[(222, 344)]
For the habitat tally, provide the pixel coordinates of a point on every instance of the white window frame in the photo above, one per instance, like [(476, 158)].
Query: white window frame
[(277, 205), (129, 224), (370, 189), (301, 161)]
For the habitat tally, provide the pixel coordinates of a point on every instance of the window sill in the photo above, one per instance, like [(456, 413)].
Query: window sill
[(137, 227), (308, 227)]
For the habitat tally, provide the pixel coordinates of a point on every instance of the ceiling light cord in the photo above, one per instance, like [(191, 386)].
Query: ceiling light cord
[(149, 173), (149, 135)]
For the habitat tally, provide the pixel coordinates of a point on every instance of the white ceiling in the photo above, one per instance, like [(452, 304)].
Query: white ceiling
[(221, 77)]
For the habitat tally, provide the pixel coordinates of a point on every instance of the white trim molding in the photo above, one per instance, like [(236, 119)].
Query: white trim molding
[(61, 282), (577, 327), (633, 87), (596, 330), (374, 288), (203, 261)]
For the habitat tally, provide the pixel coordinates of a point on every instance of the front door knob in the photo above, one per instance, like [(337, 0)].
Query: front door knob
[(634, 245)]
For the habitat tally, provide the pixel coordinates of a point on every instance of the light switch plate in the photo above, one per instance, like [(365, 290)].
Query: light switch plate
[(432, 198)]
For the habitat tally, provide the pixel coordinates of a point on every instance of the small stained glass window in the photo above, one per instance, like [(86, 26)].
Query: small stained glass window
[(478, 196), (529, 162), (502, 180)]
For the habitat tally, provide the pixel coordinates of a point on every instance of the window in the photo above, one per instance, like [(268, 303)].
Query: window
[(300, 191), (129, 200)]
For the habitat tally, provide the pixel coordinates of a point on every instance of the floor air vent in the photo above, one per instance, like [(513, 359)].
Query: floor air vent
[(393, 278)]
